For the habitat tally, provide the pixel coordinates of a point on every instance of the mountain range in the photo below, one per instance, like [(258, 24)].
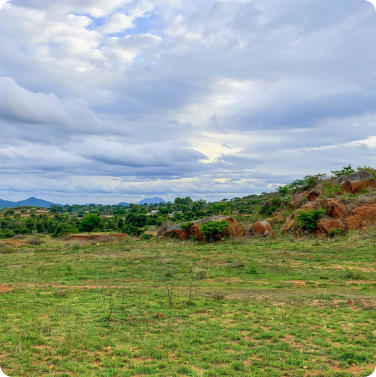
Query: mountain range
[(35, 202), (148, 201), (31, 202)]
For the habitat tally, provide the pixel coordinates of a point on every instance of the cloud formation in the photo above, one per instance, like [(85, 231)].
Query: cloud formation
[(109, 100)]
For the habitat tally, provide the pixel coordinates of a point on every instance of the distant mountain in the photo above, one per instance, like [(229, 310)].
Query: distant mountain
[(123, 204), (149, 201), (31, 202)]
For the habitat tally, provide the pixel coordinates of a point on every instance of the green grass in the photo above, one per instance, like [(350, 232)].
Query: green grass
[(259, 307)]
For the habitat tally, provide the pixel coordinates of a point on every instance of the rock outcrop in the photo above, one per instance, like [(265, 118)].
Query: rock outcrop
[(193, 230), (361, 216), (299, 199), (263, 228), (334, 208), (355, 182), (324, 226)]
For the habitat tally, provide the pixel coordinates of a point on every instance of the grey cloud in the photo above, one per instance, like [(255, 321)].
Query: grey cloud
[(290, 83)]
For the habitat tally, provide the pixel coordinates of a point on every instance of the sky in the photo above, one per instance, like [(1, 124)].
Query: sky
[(116, 100)]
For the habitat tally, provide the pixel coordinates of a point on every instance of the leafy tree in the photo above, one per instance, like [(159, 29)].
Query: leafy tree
[(136, 219), (90, 222)]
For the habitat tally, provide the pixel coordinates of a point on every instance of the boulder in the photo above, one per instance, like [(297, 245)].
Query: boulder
[(313, 195), (176, 232), (334, 208), (263, 228), (361, 216), (299, 199), (355, 182), (236, 230), (324, 226), (275, 219)]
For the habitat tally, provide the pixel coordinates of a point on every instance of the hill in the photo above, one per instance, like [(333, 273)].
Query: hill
[(31, 202), (148, 201)]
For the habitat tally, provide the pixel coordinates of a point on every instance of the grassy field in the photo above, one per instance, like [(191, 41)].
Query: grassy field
[(258, 307)]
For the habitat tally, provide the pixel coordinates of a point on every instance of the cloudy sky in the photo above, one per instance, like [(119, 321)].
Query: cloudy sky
[(117, 100)]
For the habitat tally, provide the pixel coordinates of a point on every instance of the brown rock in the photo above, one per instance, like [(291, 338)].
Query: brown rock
[(275, 220), (361, 216), (355, 182), (236, 230), (263, 228), (324, 226), (334, 208), (299, 199), (313, 195)]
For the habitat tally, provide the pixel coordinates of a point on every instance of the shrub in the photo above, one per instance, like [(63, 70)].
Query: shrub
[(307, 219), (63, 229), (215, 230), (34, 242), (354, 274), (6, 249), (336, 232), (283, 190), (7, 233), (185, 226), (347, 170), (146, 236), (330, 189)]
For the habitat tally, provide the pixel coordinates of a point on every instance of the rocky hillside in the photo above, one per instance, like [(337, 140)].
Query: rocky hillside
[(333, 206)]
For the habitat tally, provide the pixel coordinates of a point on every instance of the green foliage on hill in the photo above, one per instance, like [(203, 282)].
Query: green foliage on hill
[(307, 219), (215, 230)]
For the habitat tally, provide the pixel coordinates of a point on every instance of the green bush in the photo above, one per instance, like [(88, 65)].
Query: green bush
[(336, 232), (63, 229), (331, 190), (347, 170), (215, 230), (146, 236), (185, 226), (307, 219)]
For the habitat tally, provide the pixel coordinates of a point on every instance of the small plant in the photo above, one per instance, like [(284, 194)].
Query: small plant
[(252, 269), (201, 274), (146, 236), (215, 230), (109, 299), (354, 274), (218, 296), (69, 269), (308, 219), (330, 189), (76, 246), (170, 294), (336, 232)]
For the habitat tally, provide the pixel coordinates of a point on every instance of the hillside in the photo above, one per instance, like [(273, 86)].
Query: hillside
[(148, 201)]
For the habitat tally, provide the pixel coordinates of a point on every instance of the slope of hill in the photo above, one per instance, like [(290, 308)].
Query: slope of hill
[(31, 202), (148, 201), (123, 204)]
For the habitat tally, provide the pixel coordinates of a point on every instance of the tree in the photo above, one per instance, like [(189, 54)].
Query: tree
[(90, 222)]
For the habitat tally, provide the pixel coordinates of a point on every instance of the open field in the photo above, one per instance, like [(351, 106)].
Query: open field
[(259, 307)]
